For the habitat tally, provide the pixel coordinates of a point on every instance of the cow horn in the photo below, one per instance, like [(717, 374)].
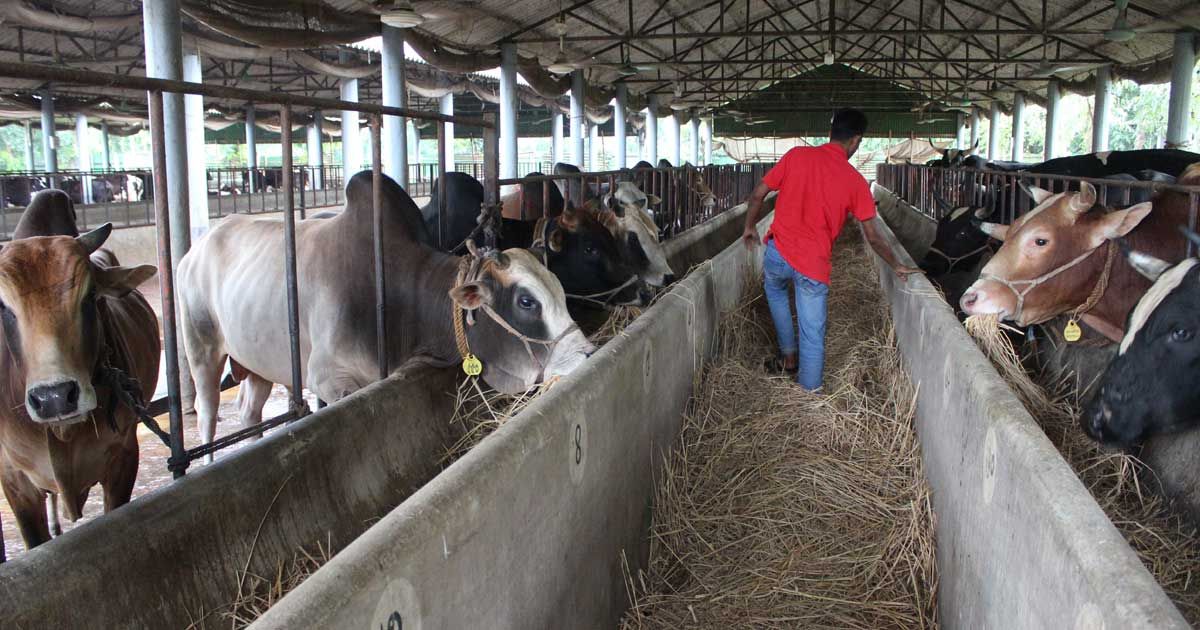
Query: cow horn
[(1084, 200), (92, 241), (1145, 264)]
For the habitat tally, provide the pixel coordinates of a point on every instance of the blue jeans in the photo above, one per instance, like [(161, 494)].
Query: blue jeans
[(778, 277)]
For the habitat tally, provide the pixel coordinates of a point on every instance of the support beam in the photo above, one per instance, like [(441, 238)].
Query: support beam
[(993, 152), (105, 146), (1053, 98), (1183, 66), (707, 124), (252, 147), (650, 151), (508, 110), (351, 146), (316, 152), (1100, 118), (49, 137), (1018, 127), (594, 147), (673, 138), (395, 141), (193, 108), (446, 105), (83, 156), (619, 124), (694, 127), (556, 136), (29, 166), (960, 130), (577, 105), (974, 125)]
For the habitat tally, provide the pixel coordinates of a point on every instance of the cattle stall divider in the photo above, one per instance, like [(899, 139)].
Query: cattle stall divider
[(155, 89), (921, 186)]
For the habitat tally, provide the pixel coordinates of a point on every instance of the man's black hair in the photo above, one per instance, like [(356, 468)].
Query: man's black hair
[(847, 123)]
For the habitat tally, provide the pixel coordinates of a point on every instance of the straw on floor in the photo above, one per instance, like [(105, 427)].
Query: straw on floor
[(1120, 483), (783, 509)]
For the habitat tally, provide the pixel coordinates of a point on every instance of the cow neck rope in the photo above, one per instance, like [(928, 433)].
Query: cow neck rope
[(1088, 304), (603, 299), (954, 260), (469, 268)]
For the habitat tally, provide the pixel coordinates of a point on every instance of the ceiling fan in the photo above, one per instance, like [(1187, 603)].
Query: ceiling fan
[(1046, 69)]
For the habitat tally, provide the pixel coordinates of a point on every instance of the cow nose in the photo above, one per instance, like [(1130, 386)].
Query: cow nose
[(56, 400), (1096, 419), (969, 299)]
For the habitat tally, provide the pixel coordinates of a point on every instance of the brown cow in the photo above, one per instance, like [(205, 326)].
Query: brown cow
[(1054, 257), (66, 310)]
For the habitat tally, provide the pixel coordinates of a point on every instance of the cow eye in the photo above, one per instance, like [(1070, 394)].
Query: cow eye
[(590, 250), (527, 302), (1041, 242), (1181, 334)]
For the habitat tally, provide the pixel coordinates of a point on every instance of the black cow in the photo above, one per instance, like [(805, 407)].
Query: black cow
[(19, 190), (1150, 387)]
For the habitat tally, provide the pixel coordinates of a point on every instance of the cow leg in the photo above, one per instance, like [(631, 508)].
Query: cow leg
[(122, 473), (206, 358), (252, 396), (28, 504), (55, 524)]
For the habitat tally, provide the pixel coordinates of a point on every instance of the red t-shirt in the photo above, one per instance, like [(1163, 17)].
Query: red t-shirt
[(817, 188)]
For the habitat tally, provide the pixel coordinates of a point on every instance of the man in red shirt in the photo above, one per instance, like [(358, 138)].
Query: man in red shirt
[(817, 188)]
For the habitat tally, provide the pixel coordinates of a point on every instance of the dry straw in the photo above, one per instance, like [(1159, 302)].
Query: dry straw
[(1119, 482), (783, 509)]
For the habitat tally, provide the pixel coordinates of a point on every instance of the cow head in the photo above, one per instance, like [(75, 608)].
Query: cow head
[(514, 296), (591, 263), (1137, 398), (1050, 255), (637, 236), (627, 198), (49, 288), (958, 242)]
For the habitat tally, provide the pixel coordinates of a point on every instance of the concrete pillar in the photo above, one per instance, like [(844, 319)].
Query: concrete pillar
[(619, 124), (1100, 112), (251, 147), (695, 133), (1018, 127), (83, 156), (1183, 66), (49, 135), (395, 140), (508, 110), (974, 126), (556, 135), (351, 147), (105, 146), (960, 130), (993, 151), (414, 146), (594, 147), (673, 138), (707, 125), (29, 146), (446, 105), (577, 115), (1053, 98), (193, 108), (316, 149), (650, 151)]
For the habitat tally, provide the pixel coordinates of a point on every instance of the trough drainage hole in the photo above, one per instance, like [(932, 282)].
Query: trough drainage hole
[(818, 501)]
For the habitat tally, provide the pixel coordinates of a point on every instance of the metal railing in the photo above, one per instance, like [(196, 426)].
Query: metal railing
[(1000, 191)]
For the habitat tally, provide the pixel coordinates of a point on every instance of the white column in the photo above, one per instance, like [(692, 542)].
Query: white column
[(1183, 66), (351, 147), (1018, 127), (49, 134), (673, 138), (594, 147), (707, 124), (577, 107), (316, 151), (1053, 97), (414, 143), (28, 146), (395, 142), (650, 151), (993, 152), (974, 125), (83, 156), (251, 147), (193, 108), (556, 135), (619, 124), (960, 130), (508, 110), (105, 147), (447, 108), (1100, 118), (694, 126)]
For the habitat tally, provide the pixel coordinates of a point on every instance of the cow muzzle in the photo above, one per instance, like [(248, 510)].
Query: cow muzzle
[(986, 298), (568, 354), (65, 401)]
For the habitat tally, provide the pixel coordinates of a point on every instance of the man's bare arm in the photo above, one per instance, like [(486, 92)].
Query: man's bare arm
[(753, 209), (881, 247)]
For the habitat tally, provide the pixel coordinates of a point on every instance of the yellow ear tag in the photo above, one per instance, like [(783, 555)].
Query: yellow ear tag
[(472, 365), (1072, 332)]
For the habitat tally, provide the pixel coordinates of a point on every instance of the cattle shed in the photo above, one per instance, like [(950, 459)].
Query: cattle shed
[(402, 488)]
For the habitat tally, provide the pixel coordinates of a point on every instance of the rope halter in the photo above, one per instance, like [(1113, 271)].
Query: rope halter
[(954, 260), (1087, 305), (603, 299)]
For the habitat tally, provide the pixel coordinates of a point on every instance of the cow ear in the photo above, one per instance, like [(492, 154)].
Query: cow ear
[(652, 199), (1118, 223), (555, 242), (92, 241), (569, 219), (984, 212), (997, 231), (1147, 265), (471, 295), (1038, 194), (119, 281), (1083, 200)]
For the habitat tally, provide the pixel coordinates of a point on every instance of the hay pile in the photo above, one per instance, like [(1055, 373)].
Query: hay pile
[(1163, 540), (783, 509)]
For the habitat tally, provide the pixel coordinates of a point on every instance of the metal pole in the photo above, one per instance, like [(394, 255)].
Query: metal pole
[(166, 284), (619, 123), (508, 110), (446, 139), (650, 151), (491, 161), (673, 138), (708, 139), (974, 126), (251, 149), (29, 166), (289, 252), (106, 147), (1053, 97), (380, 278), (994, 132), (351, 148), (594, 147), (577, 115), (556, 135), (694, 126), (442, 160), (394, 93), (960, 130), (193, 108), (1100, 119), (83, 156), (1018, 127), (49, 137), (1183, 66), (316, 153)]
